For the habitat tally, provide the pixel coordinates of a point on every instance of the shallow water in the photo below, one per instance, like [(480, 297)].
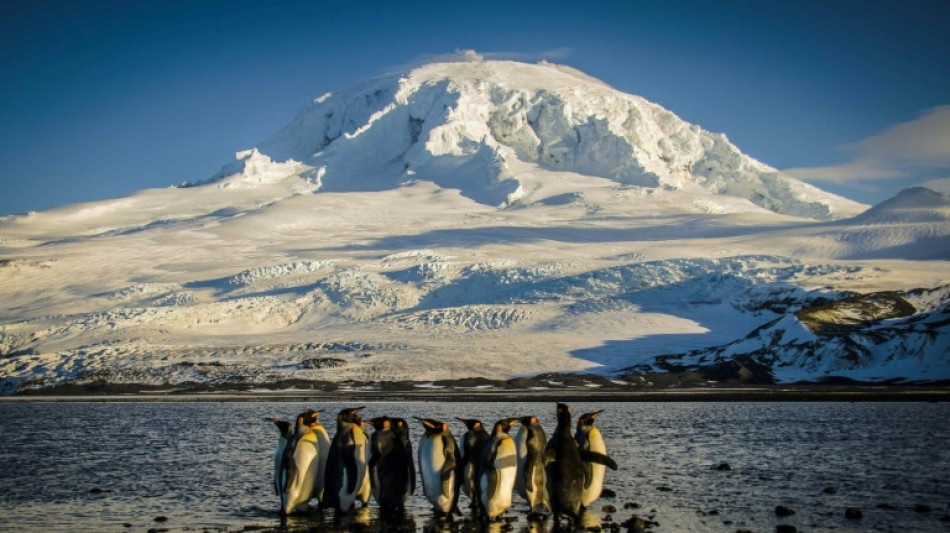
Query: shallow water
[(208, 466)]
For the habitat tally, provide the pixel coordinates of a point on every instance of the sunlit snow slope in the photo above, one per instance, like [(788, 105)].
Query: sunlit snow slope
[(490, 219)]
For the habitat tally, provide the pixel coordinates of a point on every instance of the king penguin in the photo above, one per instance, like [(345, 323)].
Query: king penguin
[(588, 438), (472, 442), (346, 464), (530, 442), (286, 430), (389, 473), (439, 465), (299, 473), (402, 430), (564, 468), (366, 488), (498, 469)]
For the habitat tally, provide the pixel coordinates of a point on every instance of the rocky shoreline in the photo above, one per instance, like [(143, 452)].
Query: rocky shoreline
[(570, 388)]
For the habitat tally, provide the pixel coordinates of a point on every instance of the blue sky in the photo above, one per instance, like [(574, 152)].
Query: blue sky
[(102, 98)]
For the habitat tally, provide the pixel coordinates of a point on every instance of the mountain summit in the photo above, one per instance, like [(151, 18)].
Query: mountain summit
[(471, 221), (486, 127)]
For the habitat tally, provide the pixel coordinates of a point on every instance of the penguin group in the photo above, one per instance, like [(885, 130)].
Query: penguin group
[(562, 476)]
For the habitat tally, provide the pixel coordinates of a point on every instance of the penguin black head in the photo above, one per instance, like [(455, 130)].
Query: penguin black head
[(381, 423), (586, 420), (402, 428), (528, 420), (563, 414), (351, 415), (285, 427), (503, 425), (433, 427), (308, 417), (470, 423)]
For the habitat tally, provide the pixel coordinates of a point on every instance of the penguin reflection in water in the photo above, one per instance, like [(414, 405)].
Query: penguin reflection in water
[(391, 468), (440, 466), (565, 469), (497, 470), (346, 473), (299, 473)]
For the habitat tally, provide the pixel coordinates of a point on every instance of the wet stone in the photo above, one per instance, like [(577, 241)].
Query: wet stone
[(785, 528), (830, 490), (723, 467), (853, 513), (161, 519), (607, 493), (631, 505), (781, 510), (920, 508), (636, 524), (609, 509)]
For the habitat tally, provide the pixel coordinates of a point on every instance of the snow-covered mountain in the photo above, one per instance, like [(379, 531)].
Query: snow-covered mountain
[(489, 219)]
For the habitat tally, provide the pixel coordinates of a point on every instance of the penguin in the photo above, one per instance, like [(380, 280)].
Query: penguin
[(564, 469), (439, 464), (299, 470), (402, 430), (389, 473), (472, 442), (366, 488), (588, 438), (323, 453), (346, 462), (498, 470), (286, 431), (530, 442)]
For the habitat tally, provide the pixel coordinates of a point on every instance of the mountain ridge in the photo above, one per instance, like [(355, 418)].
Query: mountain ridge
[(487, 114), (433, 237)]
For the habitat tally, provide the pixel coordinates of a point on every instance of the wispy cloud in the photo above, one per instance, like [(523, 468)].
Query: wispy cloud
[(899, 151), (939, 185)]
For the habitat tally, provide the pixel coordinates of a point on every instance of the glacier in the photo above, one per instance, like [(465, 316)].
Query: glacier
[(477, 219)]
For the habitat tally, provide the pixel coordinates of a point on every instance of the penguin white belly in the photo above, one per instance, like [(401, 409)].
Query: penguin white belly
[(366, 488), (497, 499), (431, 461), (347, 499), (300, 490), (598, 471), (323, 451), (521, 449)]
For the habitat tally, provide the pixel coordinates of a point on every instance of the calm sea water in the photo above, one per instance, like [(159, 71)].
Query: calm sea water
[(208, 466)]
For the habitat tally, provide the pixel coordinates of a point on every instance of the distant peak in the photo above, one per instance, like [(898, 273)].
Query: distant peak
[(463, 122)]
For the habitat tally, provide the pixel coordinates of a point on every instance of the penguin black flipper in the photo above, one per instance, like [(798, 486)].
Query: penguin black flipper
[(450, 465), (599, 458), (288, 465), (375, 455), (283, 426), (410, 465)]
